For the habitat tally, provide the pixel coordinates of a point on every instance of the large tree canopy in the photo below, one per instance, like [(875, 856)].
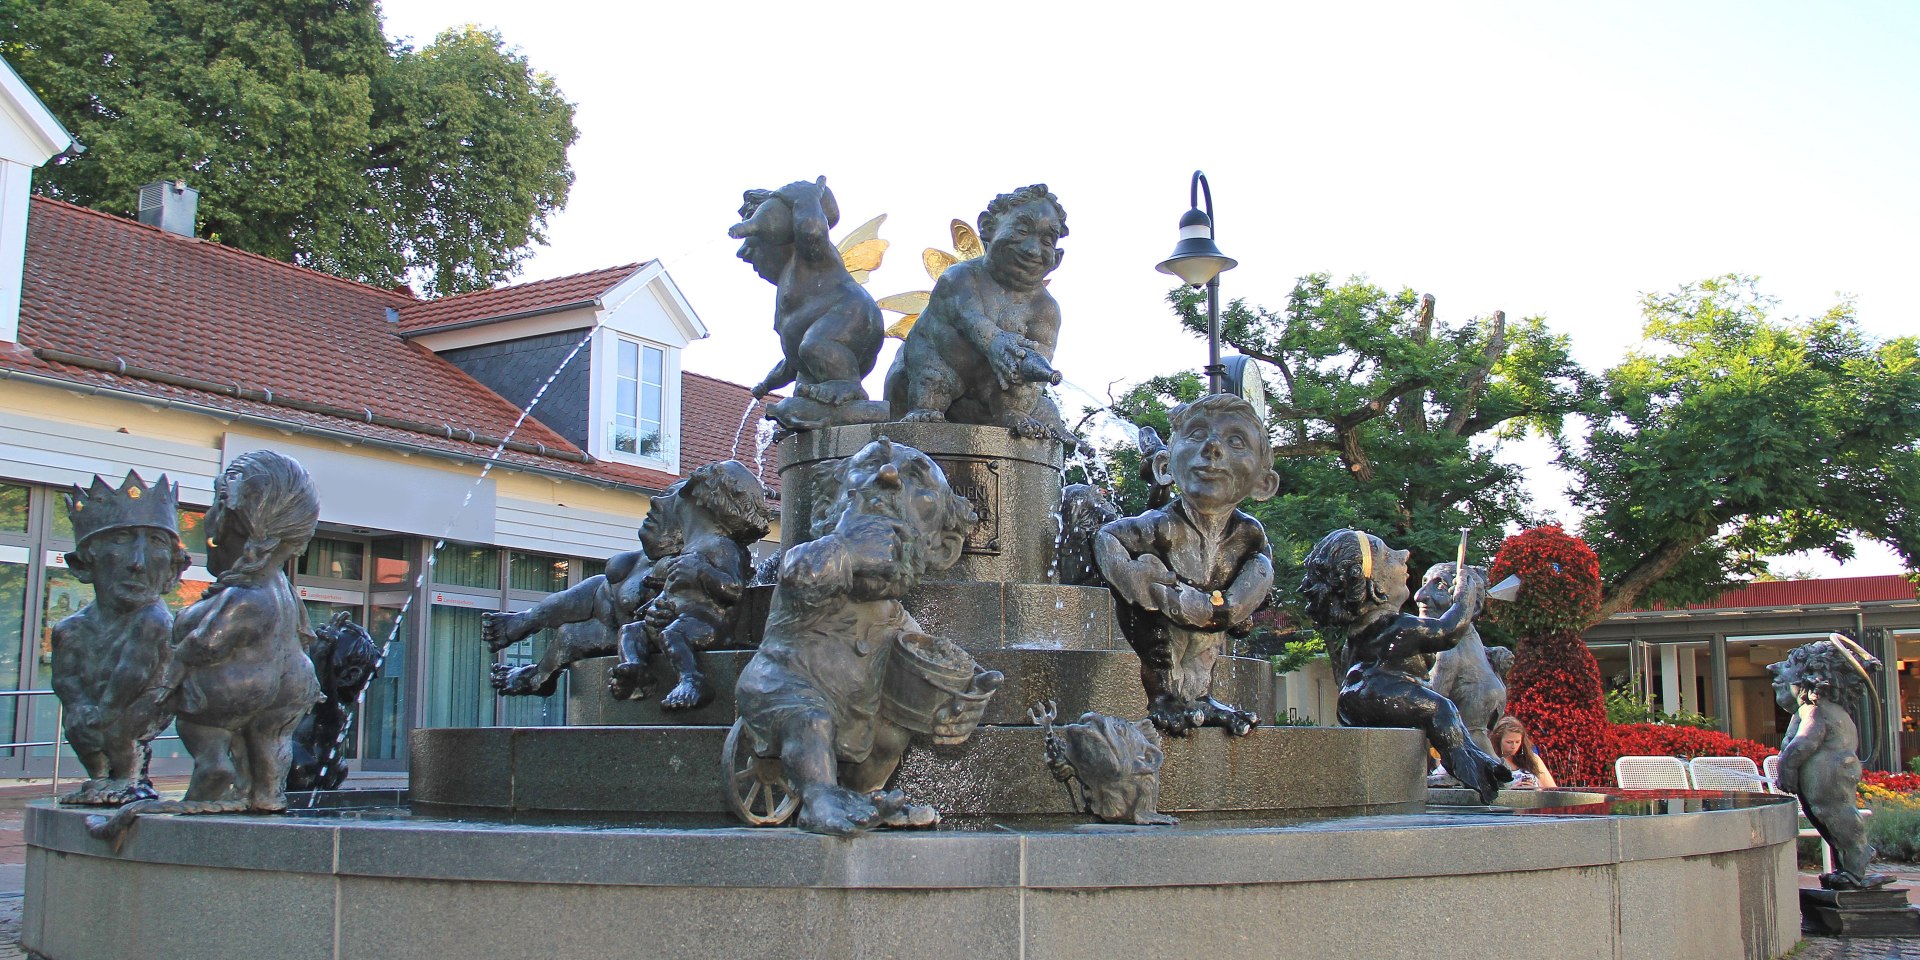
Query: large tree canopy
[(1384, 416), (1733, 436), (310, 137)]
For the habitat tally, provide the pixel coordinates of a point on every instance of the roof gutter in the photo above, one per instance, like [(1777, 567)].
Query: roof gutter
[(121, 368), (338, 436)]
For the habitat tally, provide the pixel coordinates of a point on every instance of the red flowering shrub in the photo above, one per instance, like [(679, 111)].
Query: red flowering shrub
[(1559, 583), (1897, 782), (1555, 685), (1660, 740)]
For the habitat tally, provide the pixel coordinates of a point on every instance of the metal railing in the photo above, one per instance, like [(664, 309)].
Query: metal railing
[(59, 730)]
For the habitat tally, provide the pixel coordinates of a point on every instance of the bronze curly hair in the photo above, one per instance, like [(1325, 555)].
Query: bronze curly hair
[(990, 217), (732, 495), (1827, 668), (1335, 584)]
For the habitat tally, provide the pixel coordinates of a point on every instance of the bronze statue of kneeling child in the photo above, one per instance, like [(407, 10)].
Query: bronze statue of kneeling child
[(1355, 583), (1189, 574), (844, 677)]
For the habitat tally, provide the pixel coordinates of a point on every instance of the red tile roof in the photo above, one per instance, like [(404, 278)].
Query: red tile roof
[(710, 419), (1796, 593), (120, 292), (500, 303)]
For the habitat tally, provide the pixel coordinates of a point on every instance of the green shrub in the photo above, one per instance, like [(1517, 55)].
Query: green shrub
[(1298, 654), (1894, 830), (1624, 705)]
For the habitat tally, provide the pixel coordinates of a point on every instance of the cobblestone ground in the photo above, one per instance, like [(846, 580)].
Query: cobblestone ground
[(10, 928), (1834, 948)]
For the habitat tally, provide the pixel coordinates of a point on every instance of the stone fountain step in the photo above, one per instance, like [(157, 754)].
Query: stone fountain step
[(1001, 771), (1107, 681), (982, 616)]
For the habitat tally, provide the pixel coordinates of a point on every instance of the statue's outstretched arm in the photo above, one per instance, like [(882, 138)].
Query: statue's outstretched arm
[(779, 376), (1249, 588)]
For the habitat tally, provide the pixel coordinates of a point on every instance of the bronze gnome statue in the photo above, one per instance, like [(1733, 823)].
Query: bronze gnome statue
[(1821, 683), (345, 659), (720, 508), (110, 657), (1355, 584), (844, 677), (1468, 674), (703, 526), (1188, 574), (240, 679), (982, 350), (1115, 763), (830, 329)]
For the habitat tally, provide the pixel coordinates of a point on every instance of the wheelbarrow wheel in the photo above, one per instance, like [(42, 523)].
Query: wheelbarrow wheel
[(757, 788)]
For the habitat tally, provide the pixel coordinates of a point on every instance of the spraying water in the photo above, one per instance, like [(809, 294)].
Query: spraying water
[(733, 452)]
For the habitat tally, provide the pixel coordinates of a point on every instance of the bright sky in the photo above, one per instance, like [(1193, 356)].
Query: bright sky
[(1538, 158)]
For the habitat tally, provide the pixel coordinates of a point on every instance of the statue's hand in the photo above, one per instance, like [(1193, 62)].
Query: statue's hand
[(1193, 608), (871, 541), (1004, 356), (1789, 780)]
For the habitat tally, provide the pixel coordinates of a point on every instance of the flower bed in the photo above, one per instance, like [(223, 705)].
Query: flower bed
[(1660, 740)]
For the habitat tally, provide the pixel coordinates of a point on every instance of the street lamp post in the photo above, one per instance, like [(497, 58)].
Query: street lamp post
[(1197, 261)]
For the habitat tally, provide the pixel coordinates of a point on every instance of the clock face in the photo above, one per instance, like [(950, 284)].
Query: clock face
[(1244, 379)]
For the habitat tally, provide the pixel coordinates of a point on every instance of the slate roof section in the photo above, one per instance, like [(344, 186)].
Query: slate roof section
[(519, 300), (117, 291)]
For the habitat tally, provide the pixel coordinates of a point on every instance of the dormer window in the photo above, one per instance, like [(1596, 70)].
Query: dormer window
[(637, 427)]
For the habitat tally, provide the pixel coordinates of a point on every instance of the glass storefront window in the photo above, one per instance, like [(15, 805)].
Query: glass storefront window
[(532, 711), (536, 573), (193, 530), (320, 612), (13, 623), (460, 565), (592, 568), (392, 562), (333, 559), (384, 706), (460, 694), (13, 508)]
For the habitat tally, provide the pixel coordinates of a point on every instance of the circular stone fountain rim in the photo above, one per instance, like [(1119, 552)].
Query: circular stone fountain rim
[(1367, 847)]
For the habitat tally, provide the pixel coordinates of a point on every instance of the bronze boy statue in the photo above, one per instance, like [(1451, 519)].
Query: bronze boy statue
[(1354, 583), (721, 506), (1188, 574), (830, 330), (706, 522), (109, 658), (837, 638), (983, 347)]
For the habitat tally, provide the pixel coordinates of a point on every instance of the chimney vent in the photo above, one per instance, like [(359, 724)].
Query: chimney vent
[(169, 205)]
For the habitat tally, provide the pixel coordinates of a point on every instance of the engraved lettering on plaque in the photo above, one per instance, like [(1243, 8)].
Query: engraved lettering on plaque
[(978, 480)]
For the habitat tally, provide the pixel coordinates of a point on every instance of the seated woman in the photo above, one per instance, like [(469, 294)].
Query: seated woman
[(1515, 749)]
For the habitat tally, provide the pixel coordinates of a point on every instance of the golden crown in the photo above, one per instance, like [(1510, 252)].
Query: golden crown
[(101, 507)]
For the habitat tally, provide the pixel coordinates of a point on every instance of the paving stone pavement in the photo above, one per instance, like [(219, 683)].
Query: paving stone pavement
[(1865, 948)]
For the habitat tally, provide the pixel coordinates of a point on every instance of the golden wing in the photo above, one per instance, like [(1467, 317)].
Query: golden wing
[(862, 249), (966, 243), (863, 258), (911, 304), (937, 261), (861, 234)]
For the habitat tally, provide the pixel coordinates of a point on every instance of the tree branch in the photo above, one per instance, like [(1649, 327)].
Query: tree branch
[(1306, 448), (1476, 379), (1633, 583)]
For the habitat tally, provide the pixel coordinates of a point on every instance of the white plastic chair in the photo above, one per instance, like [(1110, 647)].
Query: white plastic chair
[(1651, 773), (1727, 773), (1772, 768)]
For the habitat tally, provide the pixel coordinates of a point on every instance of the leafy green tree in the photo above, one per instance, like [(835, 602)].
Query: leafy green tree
[(1384, 417), (310, 137), (1735, 436)]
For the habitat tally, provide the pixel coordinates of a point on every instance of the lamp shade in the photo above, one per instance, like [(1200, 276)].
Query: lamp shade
[(1195, 258)]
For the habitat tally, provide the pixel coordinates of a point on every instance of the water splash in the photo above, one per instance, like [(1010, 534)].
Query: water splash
[(762, 439), (733, 452)]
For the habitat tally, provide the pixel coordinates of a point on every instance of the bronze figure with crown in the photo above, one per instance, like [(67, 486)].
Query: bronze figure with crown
[(110, 657)]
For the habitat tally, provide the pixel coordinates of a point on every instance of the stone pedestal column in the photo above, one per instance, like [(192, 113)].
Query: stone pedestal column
[(1014, 485)]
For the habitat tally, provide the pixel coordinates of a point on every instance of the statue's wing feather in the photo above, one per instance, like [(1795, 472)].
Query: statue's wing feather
[(937, 261), (913, 301), (861, 234), (902, 326), (863, 258)]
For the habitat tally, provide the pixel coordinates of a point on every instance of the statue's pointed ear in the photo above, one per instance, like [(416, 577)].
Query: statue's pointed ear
[(80, 566), (1058, 255), (1269, 486), (1162, 466)]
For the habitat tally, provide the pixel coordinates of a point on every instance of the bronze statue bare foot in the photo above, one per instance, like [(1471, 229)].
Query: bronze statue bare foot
[(1174, 718), (836, 811), (1238, 722), (500, 629), (896, 811), (924, 416), (689, 693), (523, 681)]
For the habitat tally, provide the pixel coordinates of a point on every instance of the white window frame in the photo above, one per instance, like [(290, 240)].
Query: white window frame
[(606, 408)]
